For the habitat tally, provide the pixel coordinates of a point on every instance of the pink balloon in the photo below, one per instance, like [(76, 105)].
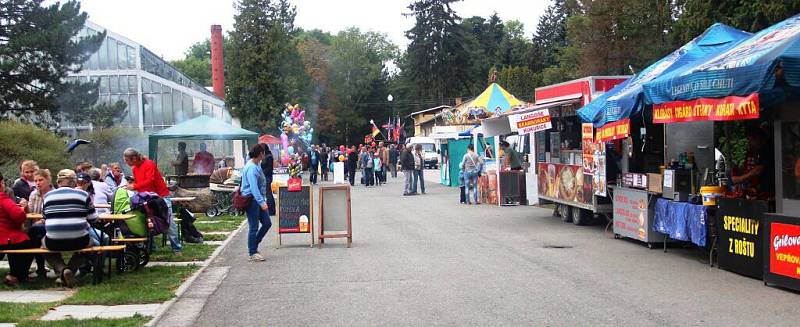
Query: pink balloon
[(284, 140)]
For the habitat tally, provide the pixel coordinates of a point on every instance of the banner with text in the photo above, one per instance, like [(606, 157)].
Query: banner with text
[(719, 109), (531, 122), (614, 131)]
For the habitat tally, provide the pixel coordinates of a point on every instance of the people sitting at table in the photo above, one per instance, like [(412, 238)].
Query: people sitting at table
[(115, 177), (203, 163), (102, 192), (41, 179), (12, 218), (181, 162), (67, 213), (147, 178), (24, 185)]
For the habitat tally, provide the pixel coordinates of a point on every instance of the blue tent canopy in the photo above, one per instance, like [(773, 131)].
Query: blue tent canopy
[(201, 128), (748, 67), (626, 98)]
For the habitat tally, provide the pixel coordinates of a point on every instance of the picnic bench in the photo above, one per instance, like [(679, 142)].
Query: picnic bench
[(99, 251)]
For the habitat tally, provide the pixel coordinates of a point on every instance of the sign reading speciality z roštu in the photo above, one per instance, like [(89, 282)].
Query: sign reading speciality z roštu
[(740, 233), (704, 109)]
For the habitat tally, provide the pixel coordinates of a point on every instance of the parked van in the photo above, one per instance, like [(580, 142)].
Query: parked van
[(430, 152)]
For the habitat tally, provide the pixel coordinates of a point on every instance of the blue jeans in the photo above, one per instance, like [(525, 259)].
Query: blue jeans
[(419, 178), (172, 234), (255, 234), (472, 186)]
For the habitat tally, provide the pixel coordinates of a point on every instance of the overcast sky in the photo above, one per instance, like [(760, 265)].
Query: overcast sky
[(169, 27)]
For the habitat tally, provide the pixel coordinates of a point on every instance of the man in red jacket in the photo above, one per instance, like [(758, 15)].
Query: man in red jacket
[(147, 178), (12, 237)]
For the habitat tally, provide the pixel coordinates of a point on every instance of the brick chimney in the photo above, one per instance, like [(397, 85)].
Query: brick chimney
[(217, 63)]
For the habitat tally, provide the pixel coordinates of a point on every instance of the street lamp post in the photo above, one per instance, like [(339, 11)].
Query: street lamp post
[(391, 107)]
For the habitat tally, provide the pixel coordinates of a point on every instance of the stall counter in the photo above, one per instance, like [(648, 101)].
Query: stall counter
[(634, 210)]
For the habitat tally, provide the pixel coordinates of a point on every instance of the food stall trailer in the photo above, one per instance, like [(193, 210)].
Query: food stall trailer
[(635, 192), (752, 90), (562, 158)]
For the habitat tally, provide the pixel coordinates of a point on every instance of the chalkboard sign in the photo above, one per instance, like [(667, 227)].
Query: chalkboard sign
[(294, 210), (334, 213)]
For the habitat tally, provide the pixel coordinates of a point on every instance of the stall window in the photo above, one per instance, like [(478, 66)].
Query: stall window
[(791, 160)]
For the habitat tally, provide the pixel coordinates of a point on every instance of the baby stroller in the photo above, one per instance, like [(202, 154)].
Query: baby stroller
[(223, 200)]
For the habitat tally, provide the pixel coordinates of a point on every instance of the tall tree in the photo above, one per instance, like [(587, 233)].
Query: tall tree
[(436, 63), (197, 62), (753, 15), (358, 79), (264, 70), (40, 47), (551, 34)]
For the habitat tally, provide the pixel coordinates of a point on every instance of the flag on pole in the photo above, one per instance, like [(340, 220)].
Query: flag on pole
[(375, 130), (397, 129)]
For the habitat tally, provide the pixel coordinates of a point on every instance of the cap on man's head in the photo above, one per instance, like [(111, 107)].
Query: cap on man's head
[(66, 174), (84, 178)]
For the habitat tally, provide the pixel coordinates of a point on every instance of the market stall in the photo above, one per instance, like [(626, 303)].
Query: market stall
[(562, 157), (640, 152), (746, 96), (200, 129)]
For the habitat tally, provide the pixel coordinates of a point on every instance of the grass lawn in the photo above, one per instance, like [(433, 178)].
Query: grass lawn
[(134, 321), (147, 285), (17, 312), (221, 226), (190, 252), (223, 217), (32, 284), (214, 237)]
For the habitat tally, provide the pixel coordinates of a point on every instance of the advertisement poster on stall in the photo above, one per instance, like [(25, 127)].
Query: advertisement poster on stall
[(740, 232), (588, 146), (565, 182), (784, 250), (531, 122), (599, 180)]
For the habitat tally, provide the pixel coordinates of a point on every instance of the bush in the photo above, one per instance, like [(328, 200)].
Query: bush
[(20, 141)]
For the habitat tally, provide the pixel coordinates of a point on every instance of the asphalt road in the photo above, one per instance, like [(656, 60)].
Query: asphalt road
[(427, 260)]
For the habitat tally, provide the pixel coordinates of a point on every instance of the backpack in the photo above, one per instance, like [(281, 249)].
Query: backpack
[(121, 204), (157, 215)]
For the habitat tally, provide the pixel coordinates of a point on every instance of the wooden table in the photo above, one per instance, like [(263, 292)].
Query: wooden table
[(104, 217), (102, 206)]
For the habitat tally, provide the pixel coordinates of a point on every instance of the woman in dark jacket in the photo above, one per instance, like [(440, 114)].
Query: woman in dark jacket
[(13, 237), (266, 166)]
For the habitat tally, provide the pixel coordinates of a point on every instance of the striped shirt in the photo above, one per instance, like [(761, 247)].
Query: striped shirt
[(66, 212)]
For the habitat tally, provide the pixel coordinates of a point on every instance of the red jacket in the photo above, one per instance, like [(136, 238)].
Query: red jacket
[(11, 219), (147, 178)]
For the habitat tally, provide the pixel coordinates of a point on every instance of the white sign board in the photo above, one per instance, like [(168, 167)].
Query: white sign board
[(338, 173), (531, 122)]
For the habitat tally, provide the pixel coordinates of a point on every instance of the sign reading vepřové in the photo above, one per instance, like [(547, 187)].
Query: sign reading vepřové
[(740, 234), (704, 109)]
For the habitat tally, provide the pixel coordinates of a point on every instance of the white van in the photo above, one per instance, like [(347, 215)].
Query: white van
[(430, 152)]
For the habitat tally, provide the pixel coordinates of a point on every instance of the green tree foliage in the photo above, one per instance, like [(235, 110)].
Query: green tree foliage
[(357, 78), (197, 63), (748, 15), (264, 70), (39, 49), (437, 62), (30, 142), (518, 81)]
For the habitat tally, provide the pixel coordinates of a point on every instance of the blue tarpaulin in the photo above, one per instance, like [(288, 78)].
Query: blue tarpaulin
[(626, 99), (746, 68)]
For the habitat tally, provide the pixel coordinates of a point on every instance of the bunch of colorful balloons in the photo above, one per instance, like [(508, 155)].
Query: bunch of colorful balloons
[(296, 135)]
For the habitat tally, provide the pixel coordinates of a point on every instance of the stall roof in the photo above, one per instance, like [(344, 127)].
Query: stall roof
[(626, 99), (201, 128), (748, 67)]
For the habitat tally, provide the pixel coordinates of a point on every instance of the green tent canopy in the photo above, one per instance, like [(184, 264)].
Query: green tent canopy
[(201, 128)]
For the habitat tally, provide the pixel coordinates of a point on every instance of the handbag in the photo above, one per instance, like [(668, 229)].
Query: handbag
[(240, 201)]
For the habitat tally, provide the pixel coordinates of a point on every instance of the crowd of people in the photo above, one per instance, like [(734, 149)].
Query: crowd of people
[(68, 211)]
